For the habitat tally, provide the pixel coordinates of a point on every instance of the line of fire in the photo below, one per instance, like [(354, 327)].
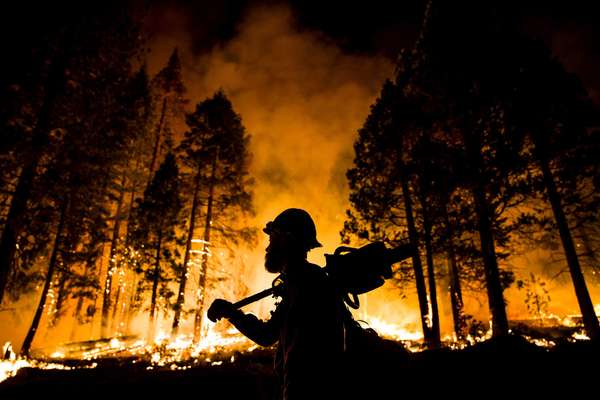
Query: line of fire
[(202, 196)]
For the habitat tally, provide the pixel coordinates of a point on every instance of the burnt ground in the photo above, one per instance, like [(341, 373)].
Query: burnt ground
[(498, 368)]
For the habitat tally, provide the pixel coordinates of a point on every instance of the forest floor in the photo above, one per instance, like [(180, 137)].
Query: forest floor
[(495, 368)]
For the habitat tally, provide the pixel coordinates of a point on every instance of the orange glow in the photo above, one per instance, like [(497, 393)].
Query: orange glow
[(302, 100)]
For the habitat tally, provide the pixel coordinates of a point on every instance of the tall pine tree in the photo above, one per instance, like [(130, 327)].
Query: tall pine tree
[(215, 149), (156, 218)]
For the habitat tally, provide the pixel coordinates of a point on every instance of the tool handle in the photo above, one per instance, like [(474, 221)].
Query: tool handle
[(255, 297)]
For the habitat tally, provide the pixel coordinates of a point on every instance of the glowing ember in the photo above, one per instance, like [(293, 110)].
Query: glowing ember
[(580, 336), (57, 354), (115, 343), (540, 342), (392, 331)]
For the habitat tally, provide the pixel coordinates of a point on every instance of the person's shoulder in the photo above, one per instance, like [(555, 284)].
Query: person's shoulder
[(314, 269), (318, 284), (316, 274)]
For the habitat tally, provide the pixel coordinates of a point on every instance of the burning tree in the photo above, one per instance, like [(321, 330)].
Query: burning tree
[(61, 188), (215, 150), (23, 157), (156, 219), (162, 107), (73, 60), (169, 97), (537, 297), (126, 182)]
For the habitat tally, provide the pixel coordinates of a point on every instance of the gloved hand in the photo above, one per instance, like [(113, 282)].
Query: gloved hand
[(220, 309)]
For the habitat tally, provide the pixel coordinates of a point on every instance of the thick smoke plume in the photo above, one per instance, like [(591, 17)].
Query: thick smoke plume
[(302, 99)]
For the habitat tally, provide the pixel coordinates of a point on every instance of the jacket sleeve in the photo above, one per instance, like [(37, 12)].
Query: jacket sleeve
[(263, 333)]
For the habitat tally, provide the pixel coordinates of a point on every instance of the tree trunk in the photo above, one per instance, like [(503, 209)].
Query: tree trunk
[(78, 307), (492, 273), (14, 219), (416, 261), (435, 316), (455, 291), (132, 301), (157, 141), (155, 288), (204, 265), (61, 293), (115, 310), (486, 236), (118, 260), (106, 303), (456, 301), (13, 224), (186, 260), (127, 243), (75, 322), (590, 320), (49, 275)]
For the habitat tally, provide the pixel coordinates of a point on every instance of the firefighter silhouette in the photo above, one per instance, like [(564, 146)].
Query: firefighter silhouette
[(308, 322)]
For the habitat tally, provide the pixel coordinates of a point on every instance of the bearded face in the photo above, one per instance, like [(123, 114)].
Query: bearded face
[(273, 262), (283, 252), (275, 256)]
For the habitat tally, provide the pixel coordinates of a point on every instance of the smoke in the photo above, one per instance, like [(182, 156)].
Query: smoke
[(301, 99)]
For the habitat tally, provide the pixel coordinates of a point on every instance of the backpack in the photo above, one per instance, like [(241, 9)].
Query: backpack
[(355, 271), (357, 339)]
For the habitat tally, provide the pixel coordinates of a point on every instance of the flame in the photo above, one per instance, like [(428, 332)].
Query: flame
[(160, 351), (392, 331), (11, 364), (219, 345), (177, 353), (9, 368), (580, 336)]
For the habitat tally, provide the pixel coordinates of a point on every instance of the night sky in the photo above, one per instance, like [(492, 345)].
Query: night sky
[(384, 27), (377, 26)]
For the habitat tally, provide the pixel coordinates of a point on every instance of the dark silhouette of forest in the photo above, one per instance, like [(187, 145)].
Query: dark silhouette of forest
[(482, 146)]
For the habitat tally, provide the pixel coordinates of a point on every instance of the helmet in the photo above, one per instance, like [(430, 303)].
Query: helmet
[(298, 223)]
